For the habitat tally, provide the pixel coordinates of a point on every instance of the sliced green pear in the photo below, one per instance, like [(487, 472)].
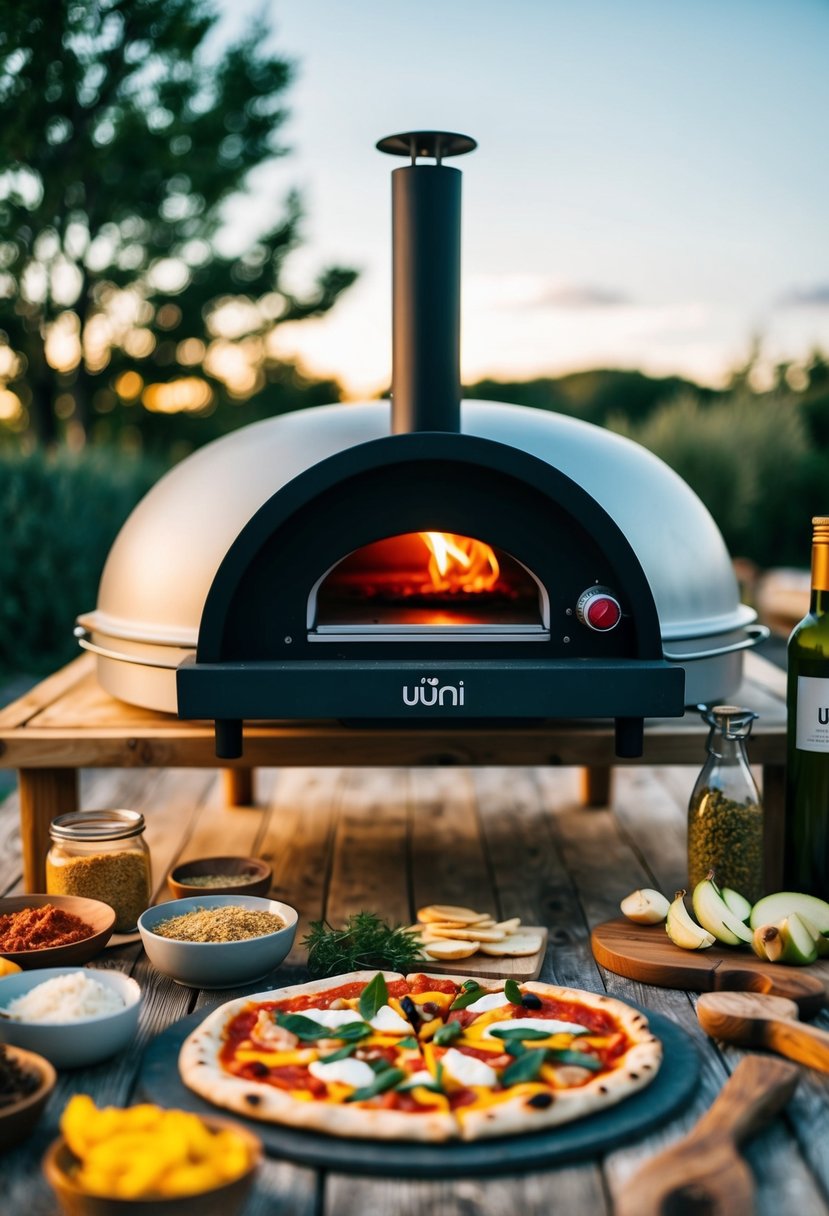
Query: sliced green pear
[(682, 930), (798, 944), (736, 903), (821, 942), (773, 908), (767, 943), (645, 907), (713, 914)]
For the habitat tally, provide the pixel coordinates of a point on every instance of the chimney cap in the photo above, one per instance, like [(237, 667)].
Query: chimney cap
[(437, 144)]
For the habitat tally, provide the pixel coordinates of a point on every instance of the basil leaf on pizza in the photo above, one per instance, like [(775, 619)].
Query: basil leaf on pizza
[(513, 993), (525, 1068), (335, 1057), (373, 997), (308, 1029), (384, 1080)]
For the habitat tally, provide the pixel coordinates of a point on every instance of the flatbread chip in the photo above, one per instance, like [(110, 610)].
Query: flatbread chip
[(515, 945), (508, 926), (450, 912), (451, 948), (469, 935)]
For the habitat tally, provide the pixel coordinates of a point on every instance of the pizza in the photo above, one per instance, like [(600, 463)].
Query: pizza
[(420, 1057)]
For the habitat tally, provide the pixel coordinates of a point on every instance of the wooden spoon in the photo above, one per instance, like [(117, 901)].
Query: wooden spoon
[(755, 1020), (704, 1173)]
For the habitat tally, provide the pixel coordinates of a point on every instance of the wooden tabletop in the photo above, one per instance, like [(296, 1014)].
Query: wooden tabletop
[(390, 839), (68, 720)]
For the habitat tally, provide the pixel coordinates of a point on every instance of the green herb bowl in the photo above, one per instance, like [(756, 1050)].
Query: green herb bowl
[(217, 964)]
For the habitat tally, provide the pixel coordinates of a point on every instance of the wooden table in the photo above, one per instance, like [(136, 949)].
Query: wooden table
[(68, 723), (390, 839)]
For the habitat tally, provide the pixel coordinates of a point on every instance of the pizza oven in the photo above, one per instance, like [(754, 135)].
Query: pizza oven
[(421, 558)]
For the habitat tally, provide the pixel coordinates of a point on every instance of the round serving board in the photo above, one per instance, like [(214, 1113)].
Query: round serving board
[(676, 1080)]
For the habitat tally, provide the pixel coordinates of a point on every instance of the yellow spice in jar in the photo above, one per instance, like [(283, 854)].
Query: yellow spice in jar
[(120, 879)]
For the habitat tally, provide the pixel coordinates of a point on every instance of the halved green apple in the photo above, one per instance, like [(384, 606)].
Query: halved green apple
[(736, 903), (798, 944), (682, 930), (713, 914), (773, 908), (821, 942)]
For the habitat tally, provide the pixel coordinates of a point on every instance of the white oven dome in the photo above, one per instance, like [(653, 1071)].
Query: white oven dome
[(163, 562)]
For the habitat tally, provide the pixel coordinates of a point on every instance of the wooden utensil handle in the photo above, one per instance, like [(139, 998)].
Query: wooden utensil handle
[(806, 990), (806, 1044), (757, 1089)]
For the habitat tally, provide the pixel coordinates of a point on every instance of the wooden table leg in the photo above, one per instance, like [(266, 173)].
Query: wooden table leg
[(774, 813), (238, 786), (44, 794), (595, 786)]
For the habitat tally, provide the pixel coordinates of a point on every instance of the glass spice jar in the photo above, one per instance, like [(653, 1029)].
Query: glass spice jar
[(725, 814), (102, 855)]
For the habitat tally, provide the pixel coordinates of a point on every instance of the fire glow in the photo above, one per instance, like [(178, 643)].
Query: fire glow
[(459, 563)]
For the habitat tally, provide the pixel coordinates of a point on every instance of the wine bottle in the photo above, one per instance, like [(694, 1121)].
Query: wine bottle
[(806, 861)]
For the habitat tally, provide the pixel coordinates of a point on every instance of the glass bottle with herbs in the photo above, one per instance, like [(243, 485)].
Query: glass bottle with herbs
[(725, 814), (101, 855)]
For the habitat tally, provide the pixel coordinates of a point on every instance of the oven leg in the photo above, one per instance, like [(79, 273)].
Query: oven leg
[(44, 793), (774, 810), (595, 786), (238, 786)]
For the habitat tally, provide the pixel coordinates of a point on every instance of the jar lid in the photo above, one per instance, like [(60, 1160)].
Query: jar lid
[(97, 825)]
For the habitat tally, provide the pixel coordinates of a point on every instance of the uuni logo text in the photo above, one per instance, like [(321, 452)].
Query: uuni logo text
[(430, 691)]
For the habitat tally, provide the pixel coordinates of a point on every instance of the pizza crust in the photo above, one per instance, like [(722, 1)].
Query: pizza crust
[(200, 1070)]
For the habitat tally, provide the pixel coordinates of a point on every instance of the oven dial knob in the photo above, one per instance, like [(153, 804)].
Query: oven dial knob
[(598, 609)]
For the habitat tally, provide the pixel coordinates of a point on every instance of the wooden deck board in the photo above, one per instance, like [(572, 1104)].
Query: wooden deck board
[(514, 839)]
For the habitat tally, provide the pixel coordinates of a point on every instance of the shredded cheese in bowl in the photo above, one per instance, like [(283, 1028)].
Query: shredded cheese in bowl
[(65, 998)]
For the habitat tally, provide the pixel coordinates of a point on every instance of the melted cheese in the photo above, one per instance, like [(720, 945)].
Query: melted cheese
[(468, 1070), (331, 1018), (492, 1000), (355, 1073), (389, 1021), (423, 1077)]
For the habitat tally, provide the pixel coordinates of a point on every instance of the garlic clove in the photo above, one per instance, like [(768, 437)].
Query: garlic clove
[(645, 907)]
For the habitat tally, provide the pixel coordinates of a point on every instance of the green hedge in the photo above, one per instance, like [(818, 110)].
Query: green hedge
[(59, 515), (753, 463)]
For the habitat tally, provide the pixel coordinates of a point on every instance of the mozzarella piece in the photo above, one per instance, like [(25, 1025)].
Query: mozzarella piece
[(347, 1072), (330, 1018), (492, 1000), (389, 1021), (467, 1069), (550, 1025)]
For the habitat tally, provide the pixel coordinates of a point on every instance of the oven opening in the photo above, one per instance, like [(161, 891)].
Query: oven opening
[(428, 586)]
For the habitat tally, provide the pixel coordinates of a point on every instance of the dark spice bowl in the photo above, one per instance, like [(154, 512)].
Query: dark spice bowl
[(225, 964), (18, 1119), (254, 876), (99, 916)]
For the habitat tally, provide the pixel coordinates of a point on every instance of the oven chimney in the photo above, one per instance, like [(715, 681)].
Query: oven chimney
[(426, 282)]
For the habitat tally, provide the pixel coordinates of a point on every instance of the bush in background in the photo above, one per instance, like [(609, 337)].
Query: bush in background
[(59, 515), (750, 459)]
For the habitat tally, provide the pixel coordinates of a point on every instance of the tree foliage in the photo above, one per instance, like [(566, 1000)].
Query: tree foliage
[(122, 136)]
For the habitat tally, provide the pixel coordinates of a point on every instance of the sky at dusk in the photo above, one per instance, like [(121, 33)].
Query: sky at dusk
[(651, 186)]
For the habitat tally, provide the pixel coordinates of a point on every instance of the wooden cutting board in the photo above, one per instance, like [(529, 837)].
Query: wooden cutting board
[(493, 967), (644, 952)]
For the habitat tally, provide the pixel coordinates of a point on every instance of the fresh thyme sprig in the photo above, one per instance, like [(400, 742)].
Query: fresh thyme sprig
[(364, 943)]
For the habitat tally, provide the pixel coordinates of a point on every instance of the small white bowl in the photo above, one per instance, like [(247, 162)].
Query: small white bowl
[(82, 1041), (217, 964)]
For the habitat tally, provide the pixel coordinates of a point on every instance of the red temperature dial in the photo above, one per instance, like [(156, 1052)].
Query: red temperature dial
[(598, 610)]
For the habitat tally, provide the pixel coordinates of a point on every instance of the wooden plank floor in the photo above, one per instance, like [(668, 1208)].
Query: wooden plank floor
[(515, 840)]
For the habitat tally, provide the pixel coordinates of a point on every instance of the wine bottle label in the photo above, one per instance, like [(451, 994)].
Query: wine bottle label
[(812, 714)]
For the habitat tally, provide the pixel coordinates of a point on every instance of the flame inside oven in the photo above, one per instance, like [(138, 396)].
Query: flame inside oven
[(421, 580)]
